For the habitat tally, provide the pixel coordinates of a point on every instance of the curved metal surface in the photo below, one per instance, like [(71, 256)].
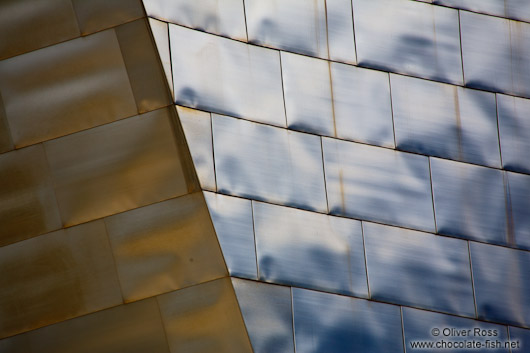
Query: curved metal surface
[(514, 9)]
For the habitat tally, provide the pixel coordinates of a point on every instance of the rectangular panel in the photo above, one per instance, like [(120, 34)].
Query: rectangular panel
[(65, 88), (445, 121), (408, 37), (469, 201), (335, 324), (502, 283), (227, 77), (418, 269), (116, 167), (6, 144), (269, 164), (55, 277), (520, 338), (95, 15), (514, 9), (378, 184), (518, 209), (310, 250), (341, 39)]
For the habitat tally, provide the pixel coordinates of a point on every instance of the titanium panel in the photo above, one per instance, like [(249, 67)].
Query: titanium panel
[(418, 269), (469, 201), (116, 167), (65, 88), (27, 202), (521, 335), (408, 37), (361, 102), (160, 33), (267, 313), (378, 184), (341, 39), (232, 219), (55, 277), (335, 324), (502, 283), (445, 121), (310, 250), (518, 208), (514, 9), (227, 77), (268, 164), (96, 15)]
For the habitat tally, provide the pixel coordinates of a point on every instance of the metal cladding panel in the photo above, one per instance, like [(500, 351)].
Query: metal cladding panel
[(95, 15), (408, 37), (267, 312), (470, 201), (225, 76), (6, 144), (65, 88), (521, 335), (341, 41), (502, 283), (232, 219), (226, 18), (160, 31), (361, 104), (399, 261), (269, 164), (445, 121), (55, 277), (514, 9), (335, 324), (518, 208), (116, 167), (418, 325), (378, 184), (310, 250)]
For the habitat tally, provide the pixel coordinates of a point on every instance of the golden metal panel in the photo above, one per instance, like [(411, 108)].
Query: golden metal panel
[(204, 318), (147, 77), (116, 167), (27, 25), (55, 277), (95, 15), (27, 203), (6, 143), (165, 246), (65, 88)]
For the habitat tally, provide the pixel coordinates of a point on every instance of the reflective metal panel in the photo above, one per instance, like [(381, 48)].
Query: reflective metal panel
[(6, 143), (160, 33), (445, 120), (469, 201), (514, 9), (65, 88), (197, 127), (226, 17), (502, 283), (267, 313), (95, 15), (310, 250), (378, 184), (361, 101), (116, 167), (520, 335), (55, 277), (269, 164), (335, 324), (225, 76), (518, 209), (400, 261), (341, 40), (232, 219), (408, 37), (27, 202)]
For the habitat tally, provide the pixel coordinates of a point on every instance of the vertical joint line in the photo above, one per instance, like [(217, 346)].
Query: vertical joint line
[(283, 89), (402, 329), (245, 18), (324, 171), (365, 261), (498, 129), (472, 279), (353, 29), (432, 197), (213, 153), (255, 245), (292, 318), (392, 111), (461, 51)]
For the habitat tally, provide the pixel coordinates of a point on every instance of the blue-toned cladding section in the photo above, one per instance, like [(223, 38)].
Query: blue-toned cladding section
[(514, 9), (335, 324), (520, 335), (418, 269), (502, 283), (519, 208)]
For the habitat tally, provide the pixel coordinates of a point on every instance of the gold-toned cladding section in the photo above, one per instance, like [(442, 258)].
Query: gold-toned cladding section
[(131, 328), (117, 167), (27, 25), (204, 318), (27, 202), (6, 144), (55, 277), (95, 15), (165, 246)]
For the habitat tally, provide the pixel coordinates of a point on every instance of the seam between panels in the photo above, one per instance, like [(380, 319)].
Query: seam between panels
[(402, 329), (218, 242), (283, 90), (461, 50), (172, 88), (245, 17), (353, 28), (392, 111), (432, 198), (163, 322), (472, 280), (255, 243), (324, 173), (213, 154), (292, 318), (365, 261), (498, 130), (113, 259)]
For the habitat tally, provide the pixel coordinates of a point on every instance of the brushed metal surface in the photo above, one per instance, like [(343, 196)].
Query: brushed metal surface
[(521, 335), (6, 144), (341, 41), (160, 31), (418, 269), (96, 15), (518, 209), (514, 9)]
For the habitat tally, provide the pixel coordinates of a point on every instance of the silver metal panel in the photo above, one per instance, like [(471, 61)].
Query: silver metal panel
[(225, 76), (378, 184), (514, 9), (160, 33), (226, 18), (335, 324), (267, 313), (95, 15), (502, 283), (445, 121), (232, 219), (309, 250), (408, 37), (418, 269), (269, 164), (361, 100), (469, 201), (518, 209), (341, 40)]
